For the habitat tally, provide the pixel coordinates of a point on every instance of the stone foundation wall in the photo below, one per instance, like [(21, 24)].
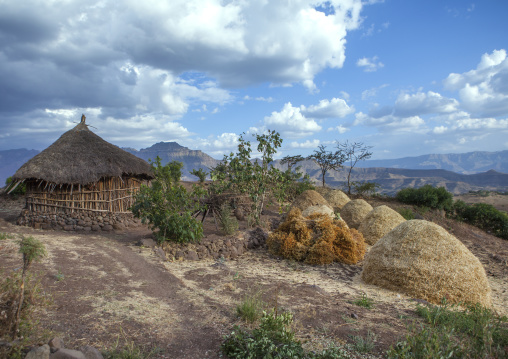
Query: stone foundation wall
[(76, 221), (216, 247)]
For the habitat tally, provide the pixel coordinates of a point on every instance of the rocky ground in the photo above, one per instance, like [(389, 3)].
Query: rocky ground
[(106, 290)]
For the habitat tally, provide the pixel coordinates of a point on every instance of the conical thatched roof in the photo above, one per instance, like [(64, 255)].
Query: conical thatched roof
[(79, 156)]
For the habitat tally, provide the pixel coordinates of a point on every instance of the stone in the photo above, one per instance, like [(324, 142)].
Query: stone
[(146, 242), (87, 229), (55, 344), (67, 354), (239, 214), (160, 253), (179, 254), (96, 227), (234, 253), (118, 227), (192, 256), (91, 352), (39, 353), (68, 227), (107, 228)]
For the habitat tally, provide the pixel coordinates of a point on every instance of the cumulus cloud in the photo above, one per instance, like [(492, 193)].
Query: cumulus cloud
[(390, 123), (334, 108), (484, 90), (291, 122), (423, 103), (463, 122), (307, 144), (369, 64)]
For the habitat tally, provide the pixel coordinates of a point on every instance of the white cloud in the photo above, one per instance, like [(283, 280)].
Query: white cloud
[(484, 90), (306, 144), (291, 122), (372, 92), (340, 129), (390, 123), (334, 108), (369, 64), (423, 103)]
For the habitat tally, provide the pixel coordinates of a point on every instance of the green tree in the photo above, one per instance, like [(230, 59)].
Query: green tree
[(327, 160), (201, 174), (167, 206), (239, 173), (291, 160), (353, 153)]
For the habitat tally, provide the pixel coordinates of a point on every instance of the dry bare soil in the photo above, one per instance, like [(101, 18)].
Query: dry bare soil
[(107, 291)]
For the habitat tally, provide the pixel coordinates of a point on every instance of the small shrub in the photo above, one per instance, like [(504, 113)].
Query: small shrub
[(167, 206), (201, 174), (365, 188), (227, 222), (364, 345), (365, 302), (474, 332), (4, 236), (484, 216), (251, 308), (427, 196), (406, 213)]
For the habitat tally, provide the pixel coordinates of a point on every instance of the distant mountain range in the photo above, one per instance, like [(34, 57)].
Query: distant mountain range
[(466, 163), (459, 173)]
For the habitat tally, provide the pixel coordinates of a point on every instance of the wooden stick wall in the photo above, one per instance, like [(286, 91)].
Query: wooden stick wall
[(108, 195)]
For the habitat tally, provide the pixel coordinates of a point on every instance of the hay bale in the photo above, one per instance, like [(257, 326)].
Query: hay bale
[(378, 222), (423, 260), (319, 209), (317, 239), (308, 198), (354, 212), (336, 198)]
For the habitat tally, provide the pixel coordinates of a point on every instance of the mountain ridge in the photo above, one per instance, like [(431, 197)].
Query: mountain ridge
[(430, 169)]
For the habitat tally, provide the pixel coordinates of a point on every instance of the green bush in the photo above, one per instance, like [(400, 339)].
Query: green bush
[(484, 216), (251, 308), (365, 188), (427, 196), (272, 339), (406, 213), (167, 206), (201, 174), (474, 332)]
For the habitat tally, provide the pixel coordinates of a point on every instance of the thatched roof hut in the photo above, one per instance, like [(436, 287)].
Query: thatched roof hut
[(82, 172)]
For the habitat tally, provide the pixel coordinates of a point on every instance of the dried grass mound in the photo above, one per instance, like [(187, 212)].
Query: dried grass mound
[(378, 222), (354, 212), (308, 198), (423, 260), (320, 209), (336, 198), (317, 239)]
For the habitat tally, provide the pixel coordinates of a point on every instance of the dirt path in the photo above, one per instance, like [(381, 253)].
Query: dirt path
[(106, 289)]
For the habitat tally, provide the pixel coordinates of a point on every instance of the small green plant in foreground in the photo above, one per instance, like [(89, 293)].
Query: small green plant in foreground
[(365, 302), (274, 338), (474, 332), (364, 345), (4, 236), (251, 308)]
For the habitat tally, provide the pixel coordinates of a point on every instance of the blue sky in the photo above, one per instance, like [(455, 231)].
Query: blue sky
[(407, 77)]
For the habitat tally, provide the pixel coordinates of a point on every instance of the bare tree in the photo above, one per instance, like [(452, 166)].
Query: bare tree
[(327, 160), (353, 152)]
